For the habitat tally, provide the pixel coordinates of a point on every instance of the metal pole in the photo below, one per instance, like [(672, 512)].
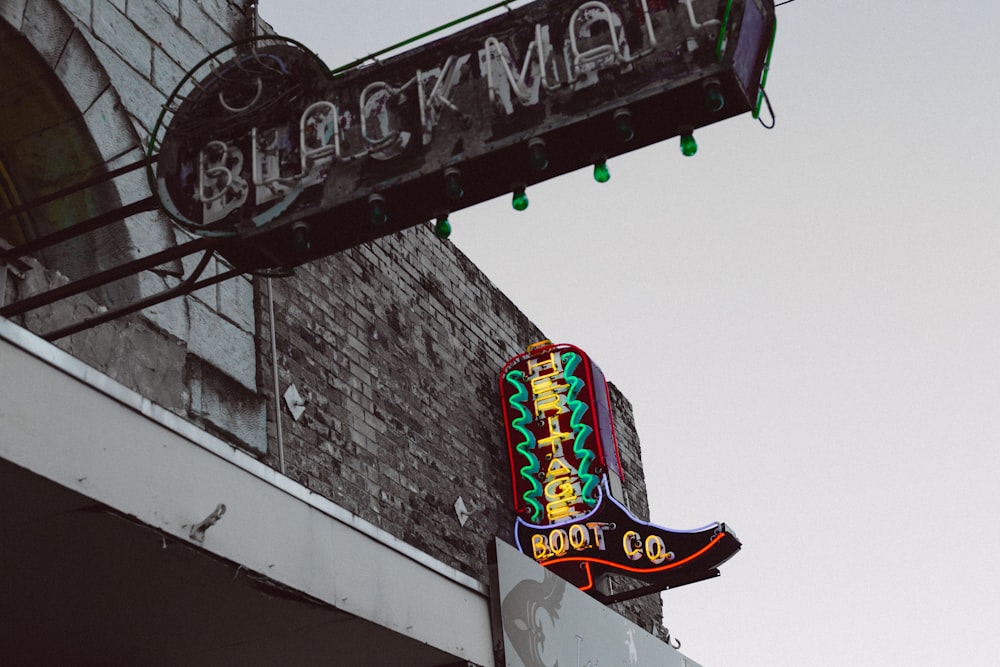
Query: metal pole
[(274, 372)]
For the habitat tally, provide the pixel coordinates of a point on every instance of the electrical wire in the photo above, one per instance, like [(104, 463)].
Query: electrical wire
[(770, 109), (427, 33)]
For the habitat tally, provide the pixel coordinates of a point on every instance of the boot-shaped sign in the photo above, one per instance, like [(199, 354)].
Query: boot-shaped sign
[(568, 479)]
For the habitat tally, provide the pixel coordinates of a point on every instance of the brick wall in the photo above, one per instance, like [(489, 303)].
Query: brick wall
[(398, 347)]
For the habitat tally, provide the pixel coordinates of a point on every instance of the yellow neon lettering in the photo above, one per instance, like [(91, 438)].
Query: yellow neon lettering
[(547, 384), (554, 400), (555, 430), (560, 490), (555, 445), (555, 437), (558, 468), (554, 442), (560, 510), (558, 542), (598, 529), (539, 547), (552, 364), (578, 537), (632, 544), (656, 550)]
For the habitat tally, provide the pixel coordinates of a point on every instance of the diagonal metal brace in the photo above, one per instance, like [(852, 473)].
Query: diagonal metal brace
[(105, 277), (79, 229), (188, 285)]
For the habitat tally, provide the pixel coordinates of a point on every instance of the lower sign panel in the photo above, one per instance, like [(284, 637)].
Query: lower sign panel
[(540, 620)]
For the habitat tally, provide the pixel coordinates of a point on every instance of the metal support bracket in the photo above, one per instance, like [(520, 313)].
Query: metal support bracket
[(10, 259)]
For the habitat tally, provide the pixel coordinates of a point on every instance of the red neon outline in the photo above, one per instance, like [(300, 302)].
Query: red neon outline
[(510, 450), (591, 389), (617, 566), (592, 403), (588, 366), (614, 431), (590, 578)]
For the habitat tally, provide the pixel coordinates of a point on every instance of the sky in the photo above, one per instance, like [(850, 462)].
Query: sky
[(805, 319)]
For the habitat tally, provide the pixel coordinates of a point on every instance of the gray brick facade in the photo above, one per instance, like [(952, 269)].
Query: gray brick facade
[(398, 347)]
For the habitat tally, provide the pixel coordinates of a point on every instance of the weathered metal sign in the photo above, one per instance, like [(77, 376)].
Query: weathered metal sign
[(262, 145), (567, 475)]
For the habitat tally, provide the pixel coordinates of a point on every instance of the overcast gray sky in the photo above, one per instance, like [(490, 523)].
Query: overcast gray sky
[(806, 322)]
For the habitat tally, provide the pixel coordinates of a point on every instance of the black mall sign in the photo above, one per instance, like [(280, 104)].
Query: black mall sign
[(263, 147)]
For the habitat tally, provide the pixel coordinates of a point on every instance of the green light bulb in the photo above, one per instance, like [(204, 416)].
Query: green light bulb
[(601, 173), (520, 199), (442, 228), (688, 145)]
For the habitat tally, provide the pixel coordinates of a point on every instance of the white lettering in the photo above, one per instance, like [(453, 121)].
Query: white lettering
[(503, 79), (319, 134), (432, 104), (285, 159), (379, 106), (221, 190), (596, 41)]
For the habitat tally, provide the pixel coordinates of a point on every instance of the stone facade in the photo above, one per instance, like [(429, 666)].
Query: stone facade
[(396, 346), (104, 70)]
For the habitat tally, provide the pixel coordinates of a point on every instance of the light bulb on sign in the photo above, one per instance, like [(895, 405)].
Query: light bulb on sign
[(601, 172), (442, 227), (520, 198), (376, 210), (536, 150), (300, 236), (453, 184), (623, 125), (688, 145), (713, 95)]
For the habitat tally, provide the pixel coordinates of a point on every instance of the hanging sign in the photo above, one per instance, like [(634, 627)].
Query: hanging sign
[(560, 432), (262, 146), (567, 480)]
